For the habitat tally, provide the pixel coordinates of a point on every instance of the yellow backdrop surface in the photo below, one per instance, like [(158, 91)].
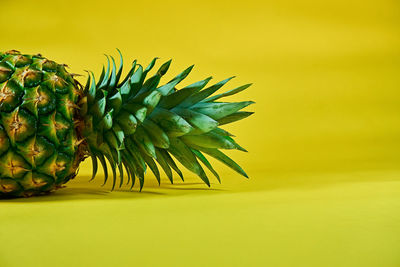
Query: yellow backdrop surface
[(324, 144)]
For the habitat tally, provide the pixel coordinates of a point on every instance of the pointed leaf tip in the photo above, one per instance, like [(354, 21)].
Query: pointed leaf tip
[(164, 68)]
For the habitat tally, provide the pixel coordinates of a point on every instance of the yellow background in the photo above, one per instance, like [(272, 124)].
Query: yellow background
[(324, 144)]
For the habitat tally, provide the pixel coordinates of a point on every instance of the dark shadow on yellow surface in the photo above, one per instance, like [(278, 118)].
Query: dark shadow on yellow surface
[(187, 183), (84, 190), (194, 189)]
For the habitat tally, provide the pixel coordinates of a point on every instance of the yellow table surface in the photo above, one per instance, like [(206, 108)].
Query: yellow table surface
[(324, 144)]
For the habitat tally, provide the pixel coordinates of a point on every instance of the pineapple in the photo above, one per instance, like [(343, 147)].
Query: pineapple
[(49, 123)]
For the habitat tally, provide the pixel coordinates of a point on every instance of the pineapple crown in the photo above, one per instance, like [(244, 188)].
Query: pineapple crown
[(134, 122)]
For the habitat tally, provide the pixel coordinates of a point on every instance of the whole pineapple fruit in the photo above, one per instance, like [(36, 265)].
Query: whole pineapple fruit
[(49, 123)]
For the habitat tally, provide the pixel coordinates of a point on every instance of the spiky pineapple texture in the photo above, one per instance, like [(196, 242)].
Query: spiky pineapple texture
[(38, 141), (131, 123)]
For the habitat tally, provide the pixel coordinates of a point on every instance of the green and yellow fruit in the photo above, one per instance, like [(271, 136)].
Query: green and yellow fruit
[(49, 123)]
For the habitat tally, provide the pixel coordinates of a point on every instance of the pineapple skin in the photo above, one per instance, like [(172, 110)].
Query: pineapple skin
[(39, 142)]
